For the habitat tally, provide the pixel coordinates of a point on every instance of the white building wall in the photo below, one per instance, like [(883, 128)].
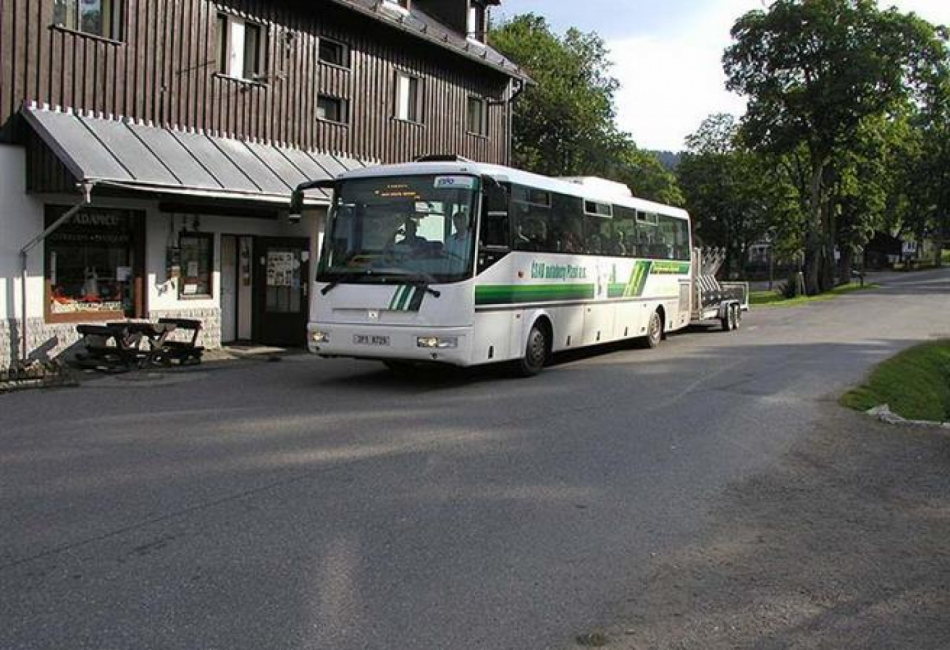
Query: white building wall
[(21, 219)]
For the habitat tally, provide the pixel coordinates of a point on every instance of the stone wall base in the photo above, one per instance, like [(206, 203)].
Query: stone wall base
[(48, 341)]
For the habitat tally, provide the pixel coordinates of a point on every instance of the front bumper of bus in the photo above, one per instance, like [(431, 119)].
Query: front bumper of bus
[(451, 345)]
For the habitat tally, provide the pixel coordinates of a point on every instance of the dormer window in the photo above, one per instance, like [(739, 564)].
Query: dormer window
[(477, 23)]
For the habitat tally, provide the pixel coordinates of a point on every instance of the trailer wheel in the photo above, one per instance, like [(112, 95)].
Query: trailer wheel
[(535, 354), (654, 331)]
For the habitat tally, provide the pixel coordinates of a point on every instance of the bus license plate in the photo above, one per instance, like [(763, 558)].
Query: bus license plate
[(362, 339)]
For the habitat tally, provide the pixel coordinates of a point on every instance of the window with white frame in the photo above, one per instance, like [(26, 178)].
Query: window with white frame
[(403, 4), (477, 24), (408, 97), (98, 17), (477, 122), (242, 48)]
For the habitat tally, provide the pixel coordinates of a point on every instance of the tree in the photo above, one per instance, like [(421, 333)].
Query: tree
[(564, 121), (737, 196), (929, 179), (564, 125), (814, 71)]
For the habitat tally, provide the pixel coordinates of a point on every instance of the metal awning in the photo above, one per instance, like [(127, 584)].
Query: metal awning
[(126, 154)]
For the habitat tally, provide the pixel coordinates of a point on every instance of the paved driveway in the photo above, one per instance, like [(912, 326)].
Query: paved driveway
[(327, 504)]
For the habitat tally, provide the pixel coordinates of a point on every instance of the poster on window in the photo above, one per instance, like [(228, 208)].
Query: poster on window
[(281, 266)]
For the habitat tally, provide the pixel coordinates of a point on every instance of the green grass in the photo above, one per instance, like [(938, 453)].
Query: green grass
[(915, 384), (775, 299)]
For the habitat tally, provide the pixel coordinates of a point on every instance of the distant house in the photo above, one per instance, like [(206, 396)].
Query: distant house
[(177, 129)]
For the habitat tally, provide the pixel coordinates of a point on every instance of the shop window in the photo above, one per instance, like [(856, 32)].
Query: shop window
[(93, 264), (477, 116), (242, 48), (408, 97), (196, 251), (334, 53), (331, 109), (98, 17)]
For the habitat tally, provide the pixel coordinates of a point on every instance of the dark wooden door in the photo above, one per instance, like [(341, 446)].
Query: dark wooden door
[(282, 291)]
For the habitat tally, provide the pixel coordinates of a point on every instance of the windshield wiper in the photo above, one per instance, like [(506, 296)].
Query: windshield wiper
[(413, 279), (420, 280), (337, 280)]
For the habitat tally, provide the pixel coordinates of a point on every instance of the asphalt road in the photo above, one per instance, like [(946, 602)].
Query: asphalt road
[(327, 504)]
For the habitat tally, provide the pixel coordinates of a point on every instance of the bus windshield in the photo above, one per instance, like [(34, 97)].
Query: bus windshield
[(402, 227)]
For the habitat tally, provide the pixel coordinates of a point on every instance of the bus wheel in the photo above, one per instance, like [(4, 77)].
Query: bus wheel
[(654, 330), (737, 318), (535, 354), (726, 320)]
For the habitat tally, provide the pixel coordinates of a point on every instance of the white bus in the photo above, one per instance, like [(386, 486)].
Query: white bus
[(464, 263)]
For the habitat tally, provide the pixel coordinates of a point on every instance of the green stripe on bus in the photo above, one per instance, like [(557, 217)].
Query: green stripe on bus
[(404, 298), (616, 289), (507, 294), (670, 268), (638, 279)]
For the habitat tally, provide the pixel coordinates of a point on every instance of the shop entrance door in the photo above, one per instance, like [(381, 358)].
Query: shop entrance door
[(282, 299)]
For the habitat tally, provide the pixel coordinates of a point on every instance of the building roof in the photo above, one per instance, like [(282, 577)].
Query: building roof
[(130, 155), (426, 27)]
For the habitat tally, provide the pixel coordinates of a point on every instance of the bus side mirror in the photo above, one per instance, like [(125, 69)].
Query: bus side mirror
[(297, 197)]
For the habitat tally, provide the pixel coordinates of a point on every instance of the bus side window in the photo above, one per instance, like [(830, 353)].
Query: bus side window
[(568, 222), (495, 229), (599, 232), (625, 223), (531, 216), (676, 237)]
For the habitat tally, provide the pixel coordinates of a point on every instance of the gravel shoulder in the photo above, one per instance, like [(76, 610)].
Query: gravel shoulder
[(845, 544)]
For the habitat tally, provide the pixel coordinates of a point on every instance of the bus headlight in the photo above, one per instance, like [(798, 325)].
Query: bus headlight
[(319, 337), (437, 342)]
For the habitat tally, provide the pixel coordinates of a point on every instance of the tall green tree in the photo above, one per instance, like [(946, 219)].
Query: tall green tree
[(814, 71), (564, 124), (928, 182), (737, 197)]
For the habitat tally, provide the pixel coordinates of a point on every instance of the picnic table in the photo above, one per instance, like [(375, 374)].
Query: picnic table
[(123, 345)]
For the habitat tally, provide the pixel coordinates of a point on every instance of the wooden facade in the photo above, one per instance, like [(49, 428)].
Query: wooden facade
[(162, 68)]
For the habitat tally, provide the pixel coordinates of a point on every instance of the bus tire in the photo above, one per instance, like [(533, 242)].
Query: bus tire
[(535, 354), (726, 320), (654, 331)]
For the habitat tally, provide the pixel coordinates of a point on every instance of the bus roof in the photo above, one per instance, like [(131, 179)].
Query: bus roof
[(518, 177)]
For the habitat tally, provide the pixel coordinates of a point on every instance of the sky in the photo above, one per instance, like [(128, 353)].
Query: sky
[(668, 56)]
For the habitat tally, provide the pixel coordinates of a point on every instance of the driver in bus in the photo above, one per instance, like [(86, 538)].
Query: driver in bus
[(411, 243)]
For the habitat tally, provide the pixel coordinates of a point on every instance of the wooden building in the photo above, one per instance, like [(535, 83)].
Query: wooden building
[(174, 130)]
